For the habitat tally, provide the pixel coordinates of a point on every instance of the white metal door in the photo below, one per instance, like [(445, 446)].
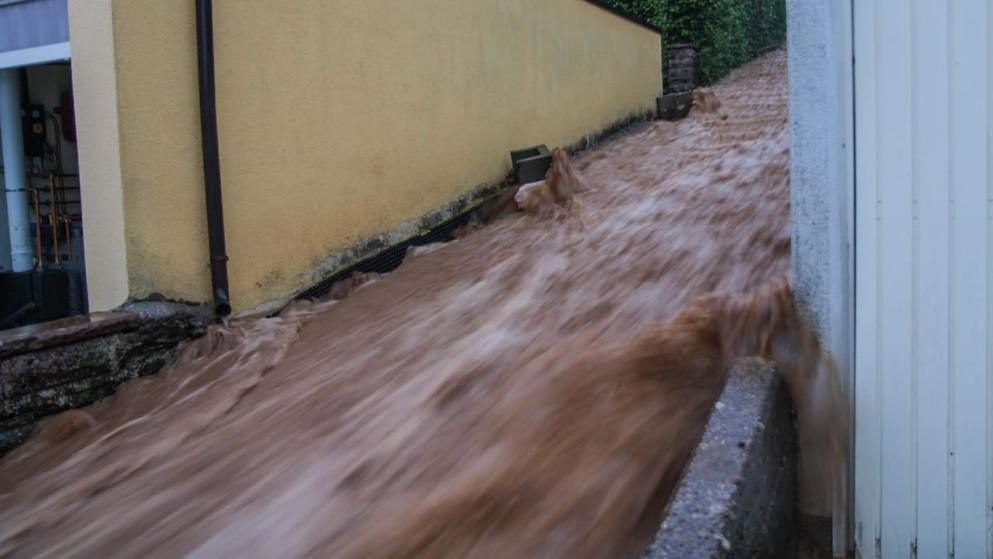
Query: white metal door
[(924, 264)]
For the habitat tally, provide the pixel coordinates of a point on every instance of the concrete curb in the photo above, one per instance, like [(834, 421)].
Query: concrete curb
[(737, 498)]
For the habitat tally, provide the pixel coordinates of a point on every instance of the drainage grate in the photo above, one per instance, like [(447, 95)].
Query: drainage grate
[(389, 259)]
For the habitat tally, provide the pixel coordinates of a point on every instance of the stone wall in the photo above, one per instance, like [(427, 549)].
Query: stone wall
[(66, 364)]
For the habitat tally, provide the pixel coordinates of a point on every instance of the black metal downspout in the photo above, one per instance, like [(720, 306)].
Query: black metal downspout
[(211, 159)]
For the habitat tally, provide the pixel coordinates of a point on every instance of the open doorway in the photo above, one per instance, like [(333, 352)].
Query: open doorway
[(42, 273)]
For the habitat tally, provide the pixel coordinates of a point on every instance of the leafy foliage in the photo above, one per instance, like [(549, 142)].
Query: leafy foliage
[(648, 10), (727, 33)]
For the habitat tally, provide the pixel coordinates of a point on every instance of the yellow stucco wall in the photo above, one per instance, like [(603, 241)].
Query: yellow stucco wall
[(341, 119), (97, 132)]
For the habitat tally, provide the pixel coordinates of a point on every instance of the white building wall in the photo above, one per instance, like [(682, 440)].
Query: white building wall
[(820, 73), (923, 271)]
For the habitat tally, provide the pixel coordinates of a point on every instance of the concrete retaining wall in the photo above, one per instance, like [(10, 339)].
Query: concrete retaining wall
[(738, 496)]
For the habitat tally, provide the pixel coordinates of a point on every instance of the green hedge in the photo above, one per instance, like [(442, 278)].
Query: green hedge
[(727, 33)]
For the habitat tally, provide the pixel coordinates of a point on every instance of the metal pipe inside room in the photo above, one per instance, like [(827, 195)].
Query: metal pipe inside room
[(15, 178)]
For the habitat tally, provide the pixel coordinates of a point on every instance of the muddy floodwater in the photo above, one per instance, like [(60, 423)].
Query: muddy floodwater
[(533, 389)]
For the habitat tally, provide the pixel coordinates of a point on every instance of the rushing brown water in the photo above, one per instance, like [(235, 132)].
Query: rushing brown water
[(532, 390)]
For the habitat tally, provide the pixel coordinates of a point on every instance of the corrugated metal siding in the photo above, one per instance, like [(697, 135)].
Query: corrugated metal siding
[(32, 23), (924, 264)]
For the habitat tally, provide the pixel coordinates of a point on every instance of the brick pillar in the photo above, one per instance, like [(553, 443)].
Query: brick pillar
[(682, 67)]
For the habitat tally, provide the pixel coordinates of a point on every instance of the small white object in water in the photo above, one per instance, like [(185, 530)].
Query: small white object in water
[(525, 191), (416, 251), (724, 542)]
